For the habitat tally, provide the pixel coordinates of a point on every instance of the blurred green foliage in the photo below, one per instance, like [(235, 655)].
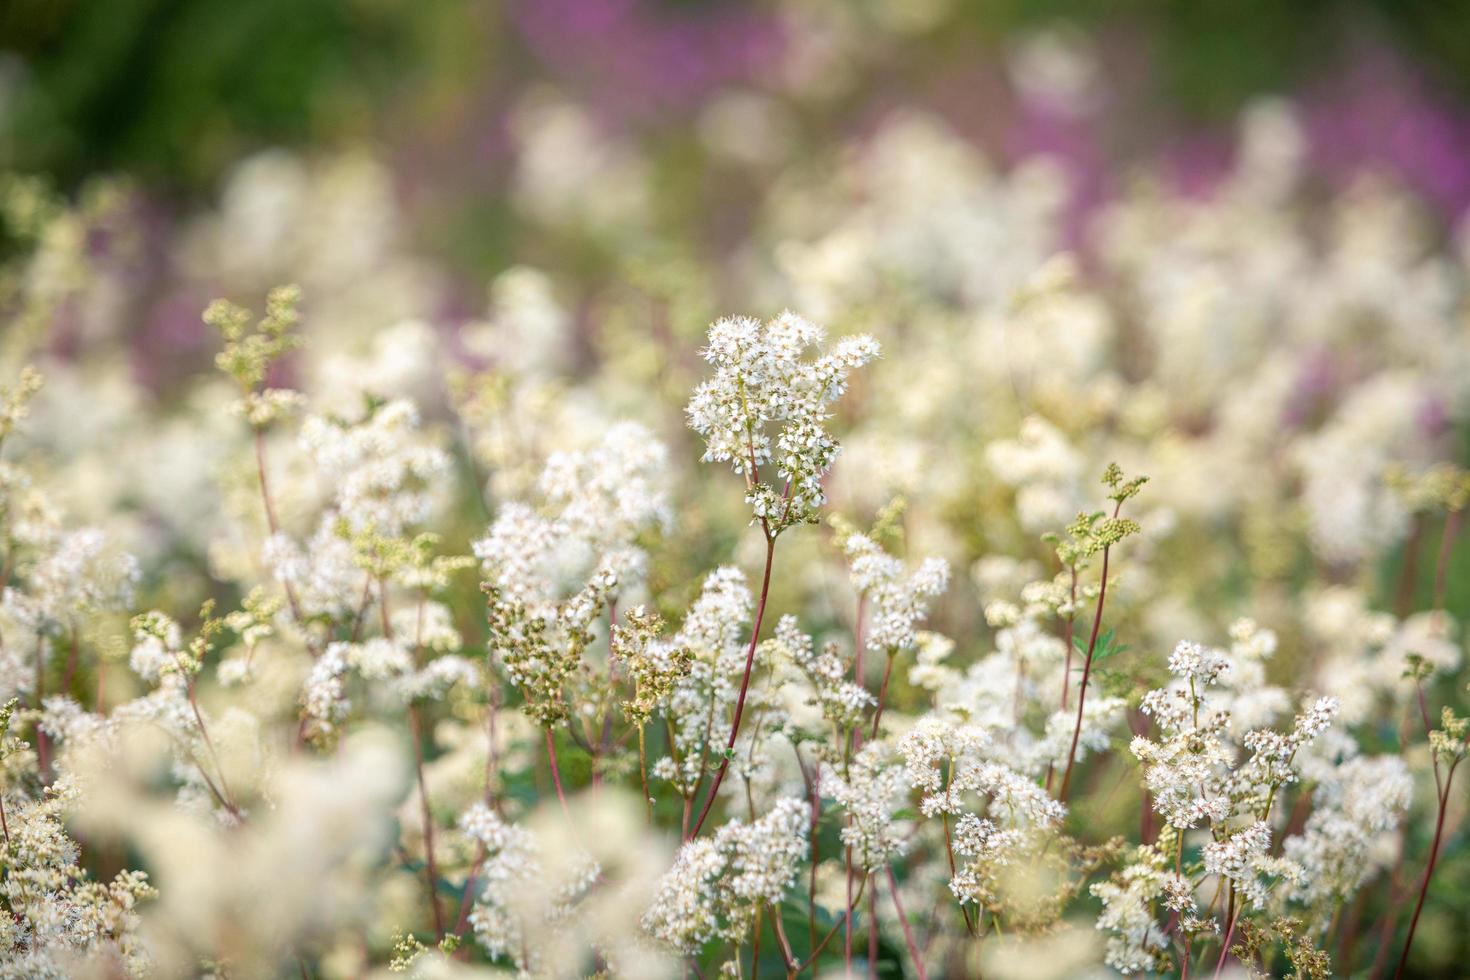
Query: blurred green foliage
[(175, 90)]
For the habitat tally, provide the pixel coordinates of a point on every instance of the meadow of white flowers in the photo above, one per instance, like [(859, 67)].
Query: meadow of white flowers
[(999, 612)]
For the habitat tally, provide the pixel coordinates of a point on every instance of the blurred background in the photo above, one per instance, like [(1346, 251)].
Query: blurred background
[(1222, 243), (461, 104), (1261, 202)]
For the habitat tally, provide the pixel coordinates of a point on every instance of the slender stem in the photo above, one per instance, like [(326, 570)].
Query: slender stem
[(908, 933), (72, 656), (700, 769), (270, 516), (416, 729), (949, 852), (786, 955), (755, 631), (882, 695), (1347, 942), (860, 646), (604, 738), (811, 893), (817, 950), (1428, 869), (492, 767), (556, 772), (755, 946), (1394, 897), (431, 869), (872, 932), (643, 774), (1071, 633), (1102, 595), (226, 797), (1225, 948), (847, 919), (367, 597), (43, 744)]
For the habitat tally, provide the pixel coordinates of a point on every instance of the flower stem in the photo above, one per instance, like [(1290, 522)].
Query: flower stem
[(908, 933), (643, 774), (270, 517), (755, 632), (1225, 948), (1428, 869), (431, 869), (556, 772), (416, 730), (1102, 595), (882, 696), (872, 931)]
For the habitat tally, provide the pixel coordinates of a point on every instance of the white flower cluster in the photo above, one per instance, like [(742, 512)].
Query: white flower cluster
[(1270, 373), (872, 792), (1244, 860), (73, 574), (842, 701), (1356, 806), (610, 494), (1193, 772), (1198, 772), (898, 601), (950, 766), (509, 865), (760, 380), (713, 632), (717, 884), (322, 571), (55, 918), (1136, 942), (381, 468)]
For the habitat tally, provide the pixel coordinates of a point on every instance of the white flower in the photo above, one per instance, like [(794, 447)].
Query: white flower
[(873, 792), (381, 468), (716, 885), (896, 602), (761, 379)]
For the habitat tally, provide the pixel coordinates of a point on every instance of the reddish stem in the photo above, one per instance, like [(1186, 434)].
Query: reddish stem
[(1087, 668), (1428, 871), (816, 790), (556, 772), (847, 919), (431, 869), (908, 934), (43, 744), (873, 932), (1225, 949), (72, 657), (817, 950), (755, 947), (1071, 633), (270, 517), (755, 632), (786, 955), (882, 696)]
